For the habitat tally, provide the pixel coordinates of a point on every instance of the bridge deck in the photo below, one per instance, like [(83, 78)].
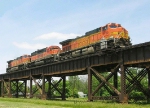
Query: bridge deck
[(93, 64)]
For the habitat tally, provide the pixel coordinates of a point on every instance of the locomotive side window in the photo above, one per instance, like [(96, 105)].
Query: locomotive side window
[(119, 25), (104, 28), (99, 29)]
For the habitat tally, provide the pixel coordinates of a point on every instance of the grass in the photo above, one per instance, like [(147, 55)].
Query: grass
[(69, 103)]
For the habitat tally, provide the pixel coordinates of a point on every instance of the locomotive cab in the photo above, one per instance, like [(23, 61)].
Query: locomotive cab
[(53, 50), (23, 62), (52, 53), (9, 66), (19, 63), (114, 35), (66, 47)]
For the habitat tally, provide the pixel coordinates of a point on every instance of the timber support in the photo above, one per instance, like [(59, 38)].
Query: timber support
[(0, 88), (6, 89), (43, 87), (54, 88), (64, 88), (31, 93), (49, 92), (2, 92), (148, 97), (19, 88), (103, 83), (89, 84), (9, 88), (134, 82), (39, 81), (123, 96)]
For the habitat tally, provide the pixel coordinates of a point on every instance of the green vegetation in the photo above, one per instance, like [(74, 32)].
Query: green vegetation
[(71, 103)]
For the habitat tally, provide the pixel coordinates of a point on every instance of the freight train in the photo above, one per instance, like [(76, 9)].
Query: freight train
[(100, 40)]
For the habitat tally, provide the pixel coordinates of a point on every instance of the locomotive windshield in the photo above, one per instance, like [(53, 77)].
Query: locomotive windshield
[(55, 48), (52, 48), (113, 26)]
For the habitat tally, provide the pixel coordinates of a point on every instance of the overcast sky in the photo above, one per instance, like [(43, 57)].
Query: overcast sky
[(28, 25)]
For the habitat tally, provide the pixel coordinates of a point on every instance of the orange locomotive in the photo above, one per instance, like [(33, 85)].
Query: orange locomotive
[(110, 36), (44, 55), (102, 39), (38, 57), (18, 63)]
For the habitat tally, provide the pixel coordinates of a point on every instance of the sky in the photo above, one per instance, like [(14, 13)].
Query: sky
[(28, 25)]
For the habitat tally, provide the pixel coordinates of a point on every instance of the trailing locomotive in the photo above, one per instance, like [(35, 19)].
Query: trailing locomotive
[(39, 57), (99, 40)]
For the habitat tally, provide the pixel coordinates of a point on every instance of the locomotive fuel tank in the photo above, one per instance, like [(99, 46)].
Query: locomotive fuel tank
[(39, 62), (76, 53), (14, 68), (87, 50)]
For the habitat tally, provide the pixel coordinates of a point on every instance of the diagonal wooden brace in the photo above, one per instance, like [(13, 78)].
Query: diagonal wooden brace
[(104, 81), (56, 85), (6, 86), (38, 86), (136, 81)]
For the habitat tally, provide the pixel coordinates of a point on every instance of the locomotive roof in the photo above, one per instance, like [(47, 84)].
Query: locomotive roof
[(9, 61), (86, 34), (38, 51), (65, 41), (93, 31)]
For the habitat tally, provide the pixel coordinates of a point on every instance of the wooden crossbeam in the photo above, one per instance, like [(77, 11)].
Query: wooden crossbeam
[(14, 84), (107, 78), (106, 87), (136, 81), (104, 81), (6, 86), (56, 85), (38, 86), (131, 82), (57, 89)]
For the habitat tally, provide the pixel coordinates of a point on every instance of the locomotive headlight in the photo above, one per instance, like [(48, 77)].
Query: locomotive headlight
[(111, 37)]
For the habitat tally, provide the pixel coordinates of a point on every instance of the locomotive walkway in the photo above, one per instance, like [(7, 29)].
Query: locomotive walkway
[(115, 63)]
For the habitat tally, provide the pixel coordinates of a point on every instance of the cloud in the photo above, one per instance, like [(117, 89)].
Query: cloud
[(25, 45), (55, 35)]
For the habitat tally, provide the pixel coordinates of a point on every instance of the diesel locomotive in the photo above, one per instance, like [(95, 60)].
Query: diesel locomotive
[(100, 40)]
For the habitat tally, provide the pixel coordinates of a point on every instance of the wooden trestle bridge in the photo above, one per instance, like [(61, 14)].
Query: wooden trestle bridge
[(116, 63)]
